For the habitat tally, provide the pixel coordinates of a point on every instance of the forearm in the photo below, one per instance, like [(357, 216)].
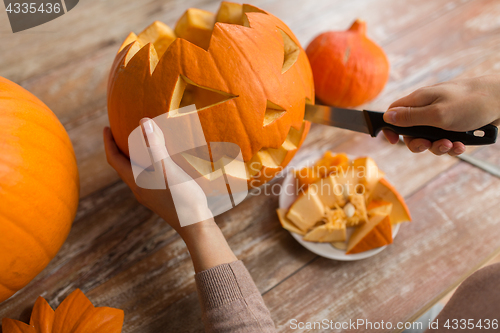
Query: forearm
[(207, 245), (230, 301)]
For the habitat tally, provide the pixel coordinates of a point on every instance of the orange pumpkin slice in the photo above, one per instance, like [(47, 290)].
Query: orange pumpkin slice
[(386, 192), (380, 207), (375, 233), (286, 223)]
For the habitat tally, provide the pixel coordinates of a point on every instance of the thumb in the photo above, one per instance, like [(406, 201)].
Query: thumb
[(155, 141), (405, 116)]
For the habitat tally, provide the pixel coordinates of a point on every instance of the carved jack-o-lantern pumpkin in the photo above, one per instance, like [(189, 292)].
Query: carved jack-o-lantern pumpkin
[(243, 69)]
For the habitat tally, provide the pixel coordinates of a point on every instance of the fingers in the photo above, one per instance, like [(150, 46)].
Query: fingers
[(154, 139), (441, 147), (116, 159), (417, 145), (391, 136), (458, 148)]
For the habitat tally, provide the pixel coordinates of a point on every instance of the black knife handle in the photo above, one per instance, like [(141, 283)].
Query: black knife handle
[(376, 123)]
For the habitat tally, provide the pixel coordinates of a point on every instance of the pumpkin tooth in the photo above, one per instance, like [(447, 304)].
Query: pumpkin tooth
[(132, 51), (274, 157), (293, 138), (153, 58), (204, 167), (230, 166), (136, 51), (250, 9), (263, 158), (130, 39), (159, 34)]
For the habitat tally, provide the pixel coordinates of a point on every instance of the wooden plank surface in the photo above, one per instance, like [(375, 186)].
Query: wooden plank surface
[(122, 255), (75, 90)]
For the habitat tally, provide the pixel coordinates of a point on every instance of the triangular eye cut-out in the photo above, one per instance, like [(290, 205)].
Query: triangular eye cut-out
[(186, 92), (273, 112), (292, 51)]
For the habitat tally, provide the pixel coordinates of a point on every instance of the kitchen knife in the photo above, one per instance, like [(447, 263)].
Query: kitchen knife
[(372, 122)]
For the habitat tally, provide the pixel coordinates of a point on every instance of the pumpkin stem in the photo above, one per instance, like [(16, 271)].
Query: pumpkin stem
[(359, 26)]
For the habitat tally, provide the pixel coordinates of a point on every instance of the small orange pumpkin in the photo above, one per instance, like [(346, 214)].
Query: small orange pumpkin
[(243, 69), (38, 187), (349, 69), (75, 314)]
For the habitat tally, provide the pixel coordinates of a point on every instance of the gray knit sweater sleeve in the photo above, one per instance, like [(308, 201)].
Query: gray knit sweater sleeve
[(230, 301)]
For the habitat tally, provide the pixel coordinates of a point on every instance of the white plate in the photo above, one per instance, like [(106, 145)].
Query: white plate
[(288, 196)]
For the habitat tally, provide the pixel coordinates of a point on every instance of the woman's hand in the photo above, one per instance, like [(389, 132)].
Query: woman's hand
[(459, 105), (205, 241), (159, 201)]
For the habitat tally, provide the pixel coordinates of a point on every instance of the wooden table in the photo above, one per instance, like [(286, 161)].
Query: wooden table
[(122, 255)]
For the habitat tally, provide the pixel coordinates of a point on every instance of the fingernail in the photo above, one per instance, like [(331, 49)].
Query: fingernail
[(390, 117), (422, 148), (148, 127), (443, 149), (458, 150)]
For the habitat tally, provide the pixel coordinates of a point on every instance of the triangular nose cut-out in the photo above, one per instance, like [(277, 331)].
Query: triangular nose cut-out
[(273, 112), (186, 92)]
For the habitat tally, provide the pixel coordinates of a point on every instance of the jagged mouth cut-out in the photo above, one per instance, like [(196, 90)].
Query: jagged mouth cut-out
[(264, 158)]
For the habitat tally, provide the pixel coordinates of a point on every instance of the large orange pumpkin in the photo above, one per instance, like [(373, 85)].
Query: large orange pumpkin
[(243, 69), (38, 187), (349, 69)]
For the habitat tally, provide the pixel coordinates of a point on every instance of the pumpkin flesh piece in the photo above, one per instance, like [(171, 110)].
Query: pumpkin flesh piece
[(286, 223), (380, 207), (375, 233), (307, 210), (329, 192), (326, 234)]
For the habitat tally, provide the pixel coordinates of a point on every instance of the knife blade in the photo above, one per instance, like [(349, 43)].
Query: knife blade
[(372, 122)]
